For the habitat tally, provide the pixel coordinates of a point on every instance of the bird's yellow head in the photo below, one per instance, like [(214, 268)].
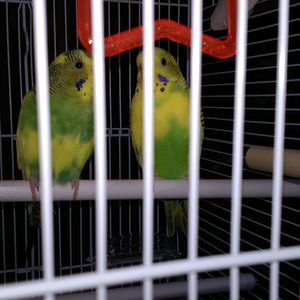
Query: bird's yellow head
[(166, 68), (71, 71)]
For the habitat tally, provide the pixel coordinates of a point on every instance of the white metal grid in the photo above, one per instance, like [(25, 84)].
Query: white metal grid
[(220, 262)]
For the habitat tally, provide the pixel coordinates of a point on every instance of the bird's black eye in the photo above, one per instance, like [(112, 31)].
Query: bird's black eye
[(79, 65), (163, 61)]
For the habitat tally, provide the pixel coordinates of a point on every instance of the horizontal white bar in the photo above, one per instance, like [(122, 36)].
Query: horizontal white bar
[(18, 190), (137, 273), (167, 290)]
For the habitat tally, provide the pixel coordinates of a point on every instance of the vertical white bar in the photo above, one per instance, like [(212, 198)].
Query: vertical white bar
[(44, 134), (148, 142), (100, 139), (281, 76), (194, 145), (238, 141)]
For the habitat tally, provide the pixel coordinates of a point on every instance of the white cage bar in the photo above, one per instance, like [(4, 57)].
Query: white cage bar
[(238, 141), (195, 138), (100, 142), (279, 141), (43, 111), (165, 269), (148, 142)]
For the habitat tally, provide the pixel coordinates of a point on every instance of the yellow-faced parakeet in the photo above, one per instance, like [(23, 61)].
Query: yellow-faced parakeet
[(171, 128), (71, 113)]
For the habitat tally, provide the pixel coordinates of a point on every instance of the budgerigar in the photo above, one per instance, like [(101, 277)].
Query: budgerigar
[(71, 110), (171, 128)]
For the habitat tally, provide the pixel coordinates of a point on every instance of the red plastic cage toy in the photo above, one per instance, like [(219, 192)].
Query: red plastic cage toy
[(171, 30)]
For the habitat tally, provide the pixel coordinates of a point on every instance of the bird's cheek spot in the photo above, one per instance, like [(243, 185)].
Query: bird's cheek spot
[(79, 84), (163, 79)]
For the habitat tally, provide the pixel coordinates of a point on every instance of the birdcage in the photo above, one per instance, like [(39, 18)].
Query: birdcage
[(243, 238)]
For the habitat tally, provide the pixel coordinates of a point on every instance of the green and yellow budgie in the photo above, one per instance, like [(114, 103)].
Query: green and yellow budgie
[(171, 128), (71, 112)]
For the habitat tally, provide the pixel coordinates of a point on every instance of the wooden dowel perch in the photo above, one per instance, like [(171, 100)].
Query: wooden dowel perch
[(261, 158)]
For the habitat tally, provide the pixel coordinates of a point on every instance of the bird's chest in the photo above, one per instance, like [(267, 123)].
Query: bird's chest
[(171, 112), (171, 134), (171, 129), (72, 119)]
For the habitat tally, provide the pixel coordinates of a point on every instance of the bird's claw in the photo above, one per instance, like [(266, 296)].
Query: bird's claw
[(34, 186), (75, 187)]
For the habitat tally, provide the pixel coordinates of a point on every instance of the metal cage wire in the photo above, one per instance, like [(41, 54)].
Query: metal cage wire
[(218, 230)]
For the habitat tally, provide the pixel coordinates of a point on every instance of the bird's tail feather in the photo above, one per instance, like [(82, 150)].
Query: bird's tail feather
[(176, 213), (34, 220), (34, 211)]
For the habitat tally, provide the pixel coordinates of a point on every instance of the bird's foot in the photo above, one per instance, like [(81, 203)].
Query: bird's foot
[(75, 187), (34, 186)]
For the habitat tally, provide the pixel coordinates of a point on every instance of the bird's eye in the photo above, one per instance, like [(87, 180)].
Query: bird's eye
[(163, 61), (79, 65)]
